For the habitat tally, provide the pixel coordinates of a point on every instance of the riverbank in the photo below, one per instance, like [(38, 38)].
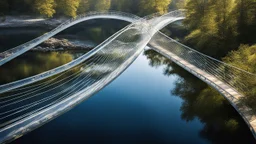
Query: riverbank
[(24, 20)]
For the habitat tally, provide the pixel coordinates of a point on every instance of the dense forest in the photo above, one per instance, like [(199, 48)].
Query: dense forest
[(225, 29), (218, 26), (49, 8)]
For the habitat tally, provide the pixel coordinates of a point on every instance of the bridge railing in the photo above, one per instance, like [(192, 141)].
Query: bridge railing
[(16, 51), (238, 79), (60, 69), (19, 83), (22, 111), (236, 85)]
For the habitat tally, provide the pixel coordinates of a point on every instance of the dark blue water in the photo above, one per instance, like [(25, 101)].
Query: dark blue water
[(139, 107)]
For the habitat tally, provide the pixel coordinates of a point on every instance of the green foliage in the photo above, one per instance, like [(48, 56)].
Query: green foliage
[(178, 4), (73, 7), (246, 20), (212, 26), (150, 6), (45, 7), (207, 34), (245, 58), (232, 125), (102, 5), (68, 7), (24, 68), (94, 5), (220, 26), (84, 6)]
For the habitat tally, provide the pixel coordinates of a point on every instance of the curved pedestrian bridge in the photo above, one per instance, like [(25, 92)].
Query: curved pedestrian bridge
[(29, 103)]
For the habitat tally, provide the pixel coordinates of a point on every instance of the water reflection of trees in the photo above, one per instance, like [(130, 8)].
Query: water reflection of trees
[(222, 124), (31, 64)]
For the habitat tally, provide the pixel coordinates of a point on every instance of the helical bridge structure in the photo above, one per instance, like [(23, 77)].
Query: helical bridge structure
[(28, 103)]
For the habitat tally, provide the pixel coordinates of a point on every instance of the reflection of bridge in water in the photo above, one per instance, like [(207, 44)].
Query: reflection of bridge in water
[(28, 103)]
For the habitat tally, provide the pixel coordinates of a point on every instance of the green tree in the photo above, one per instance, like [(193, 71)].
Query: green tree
[(245, 58), (68, 7), (246, 18), (102, 5), (150, 6), (201, 21), (225, 17), (196, 10), (212, 26), (178, 4), (45, 7), (21, 68), (84, 6), (99, 5)]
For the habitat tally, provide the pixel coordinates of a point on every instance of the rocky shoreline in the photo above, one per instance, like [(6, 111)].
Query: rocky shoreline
[(54, 44)]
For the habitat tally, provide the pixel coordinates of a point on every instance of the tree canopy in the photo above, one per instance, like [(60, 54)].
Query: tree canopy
[(245, 58), (68, 7), (71, 8), (45, 7), (219, 26), (149, 6)]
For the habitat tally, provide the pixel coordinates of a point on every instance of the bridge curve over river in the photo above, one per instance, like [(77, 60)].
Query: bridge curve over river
[(99, 67)]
